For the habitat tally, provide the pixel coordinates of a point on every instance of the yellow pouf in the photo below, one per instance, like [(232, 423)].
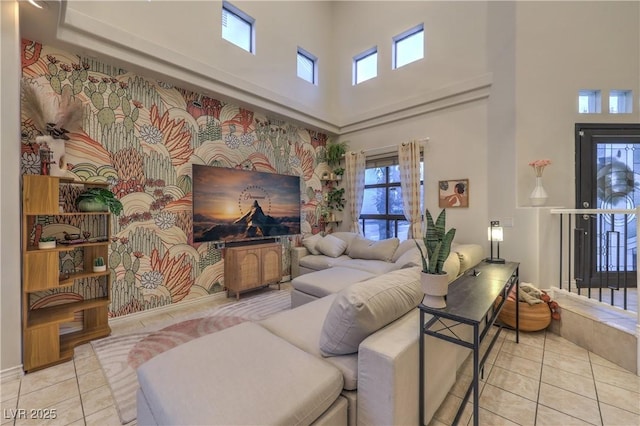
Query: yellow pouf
[(532, 317)]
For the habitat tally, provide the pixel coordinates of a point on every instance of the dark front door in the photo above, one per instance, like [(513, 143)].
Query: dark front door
[(607, 177)]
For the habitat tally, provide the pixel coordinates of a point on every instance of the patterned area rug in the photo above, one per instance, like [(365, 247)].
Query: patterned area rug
[(119, 356)]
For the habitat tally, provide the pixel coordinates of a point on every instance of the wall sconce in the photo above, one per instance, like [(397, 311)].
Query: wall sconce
[(494, 234)]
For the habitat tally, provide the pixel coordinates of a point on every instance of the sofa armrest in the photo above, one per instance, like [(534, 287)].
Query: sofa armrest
[(470, 255), (388, 386), (297, 253)]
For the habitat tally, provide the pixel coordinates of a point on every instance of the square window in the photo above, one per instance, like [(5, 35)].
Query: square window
[(408, 47), (365, 66), (307, 66), (620, 102), (237, 27), (589, 102)]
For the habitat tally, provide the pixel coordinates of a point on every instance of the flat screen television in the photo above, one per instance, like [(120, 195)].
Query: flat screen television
[(235, 204)]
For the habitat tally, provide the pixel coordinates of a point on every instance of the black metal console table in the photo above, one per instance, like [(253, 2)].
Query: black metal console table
[(471, 301)]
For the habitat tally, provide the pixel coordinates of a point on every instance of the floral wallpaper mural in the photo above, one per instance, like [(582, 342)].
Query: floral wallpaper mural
[(142, 136)]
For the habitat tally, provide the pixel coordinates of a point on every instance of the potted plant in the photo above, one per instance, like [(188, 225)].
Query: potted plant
[(435, 281), (47, 243), (338, 172), (335, 152), (99, 265), (335, 199), (98, 200)]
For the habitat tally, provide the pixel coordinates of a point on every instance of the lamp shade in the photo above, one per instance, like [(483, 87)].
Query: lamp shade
[(494, 233)]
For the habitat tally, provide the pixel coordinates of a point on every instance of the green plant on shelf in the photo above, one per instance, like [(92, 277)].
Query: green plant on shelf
[(47, 239), (98, 261), (335, 199), (99, 196)]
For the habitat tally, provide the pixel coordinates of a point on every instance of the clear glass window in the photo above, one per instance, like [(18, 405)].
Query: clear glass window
[(620, 102), (408, 47), (365, 66), (307, 66), (589, 102), (382, 213), (237, 27)]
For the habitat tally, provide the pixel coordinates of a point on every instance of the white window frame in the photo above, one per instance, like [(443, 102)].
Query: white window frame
[(364, 55), (401, 37), (231, 9), (314, 61)]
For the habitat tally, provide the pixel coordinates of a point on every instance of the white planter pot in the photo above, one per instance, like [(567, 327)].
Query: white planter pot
[(46, 244), (435, 288), (100, 268)]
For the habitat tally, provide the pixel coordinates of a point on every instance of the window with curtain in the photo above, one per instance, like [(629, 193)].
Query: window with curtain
[(382, 212)]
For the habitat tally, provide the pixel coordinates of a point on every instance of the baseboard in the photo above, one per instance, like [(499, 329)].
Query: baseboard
[(10, 374), (169, 308)]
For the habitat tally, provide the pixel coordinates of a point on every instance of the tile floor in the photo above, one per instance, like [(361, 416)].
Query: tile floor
[(543, 380)]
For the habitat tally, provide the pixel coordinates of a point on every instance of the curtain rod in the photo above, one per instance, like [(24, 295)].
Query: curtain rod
[(390, 148)]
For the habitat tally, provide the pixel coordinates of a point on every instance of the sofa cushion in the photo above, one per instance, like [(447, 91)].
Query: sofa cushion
[(310, 243), (205, 381), (347, 237), (331, 246), (405, 246), (377, 267), (409, 259), (321, 261), (302, 327), (361, 248), (469, 254), (367, 306), (329, 281)]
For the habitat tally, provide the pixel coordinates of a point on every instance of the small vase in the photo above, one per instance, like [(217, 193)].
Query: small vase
[(538, 196), (435, 288), (100, 268)]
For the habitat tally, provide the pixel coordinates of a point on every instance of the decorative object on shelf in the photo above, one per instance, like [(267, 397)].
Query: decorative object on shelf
[(338, 172), (68, 236), (539, 196), (434, 280), (99, 265), (535, 307), (53, 119), (47, 243), (495, 235), (335, 152), (45, 159), (453, 193), (98, 200)]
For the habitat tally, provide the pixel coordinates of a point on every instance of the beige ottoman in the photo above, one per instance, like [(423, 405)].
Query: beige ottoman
[(243, 375), (312, 286)]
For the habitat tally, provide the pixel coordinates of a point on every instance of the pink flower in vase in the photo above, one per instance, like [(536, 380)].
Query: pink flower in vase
[(539, 165)]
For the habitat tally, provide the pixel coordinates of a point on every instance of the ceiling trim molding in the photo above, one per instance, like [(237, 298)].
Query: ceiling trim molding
[(461, 93)]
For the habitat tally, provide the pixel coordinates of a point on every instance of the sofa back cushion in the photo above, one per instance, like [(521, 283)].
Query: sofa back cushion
[(361, 248), (364, 307), (331, 246), (310, 243)]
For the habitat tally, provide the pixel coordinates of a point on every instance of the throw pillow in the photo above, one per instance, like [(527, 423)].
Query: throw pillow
[(409, 259), (362, 248), (311, 242), (365, 307), (331, 246), (405, 246)]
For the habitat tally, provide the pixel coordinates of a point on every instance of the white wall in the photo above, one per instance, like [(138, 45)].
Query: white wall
[(188, 34), (10, 349), (455, 51)]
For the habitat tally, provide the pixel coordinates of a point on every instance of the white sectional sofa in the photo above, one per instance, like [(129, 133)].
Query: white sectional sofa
[(326, 265), (349, 358)]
